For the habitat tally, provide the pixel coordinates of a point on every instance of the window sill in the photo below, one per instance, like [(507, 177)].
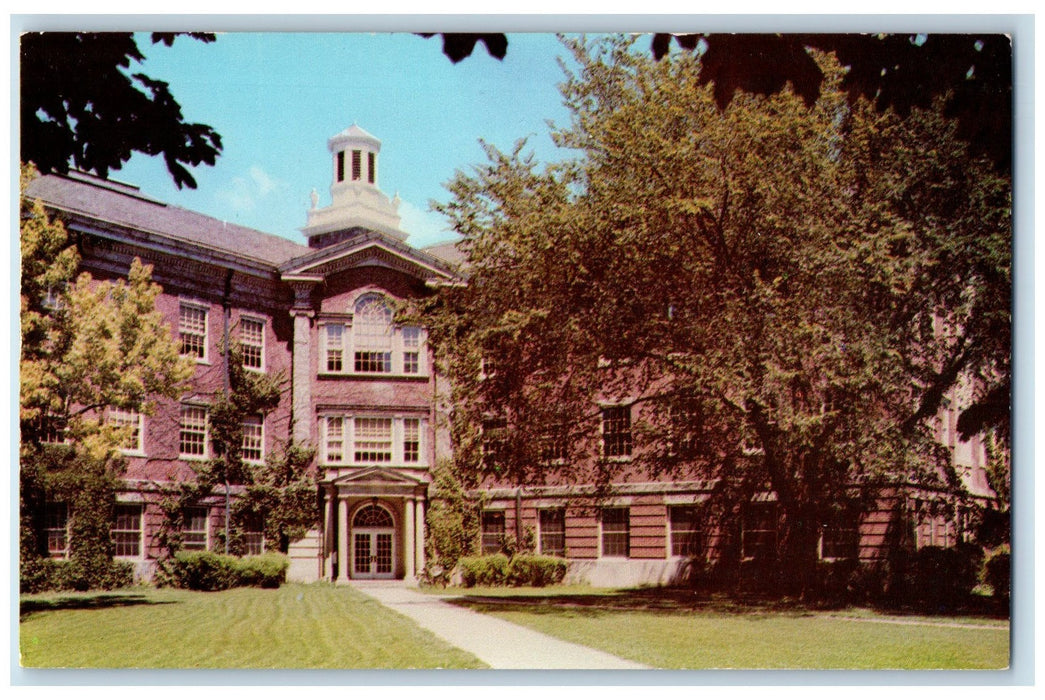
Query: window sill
[(193, 458), (133, 453), (371, 375), (618, 460)]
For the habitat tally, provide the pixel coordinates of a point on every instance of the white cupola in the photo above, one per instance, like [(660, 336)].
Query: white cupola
[(356, 201)]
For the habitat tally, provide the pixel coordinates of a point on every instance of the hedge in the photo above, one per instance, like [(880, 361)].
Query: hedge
[(208, 571), (520, 570), (41, 574)]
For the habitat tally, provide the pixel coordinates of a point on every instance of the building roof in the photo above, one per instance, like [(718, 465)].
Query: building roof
[(449, 252), (125, 205)]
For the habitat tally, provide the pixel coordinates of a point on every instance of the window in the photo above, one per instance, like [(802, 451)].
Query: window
[(371, 167), (411, 439), (252, 342), (52, 300), (373, 440), (492, 531), (192, 328), (759, 531), (340, 166), (552, 524), (53, 430), (686, 535), (253, 531), (194, 530), (193, 437), (615, 532), (357, 165), (56, 527), (334, 346), (127, 531), (253, 439), (372, 333), (334, 442), (134, 422), (494, 441), (554, 449), (683, 417), (840, 537), (411, 350), (616, 431)]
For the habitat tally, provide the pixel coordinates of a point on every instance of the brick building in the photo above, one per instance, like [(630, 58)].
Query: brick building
[(363, 392)]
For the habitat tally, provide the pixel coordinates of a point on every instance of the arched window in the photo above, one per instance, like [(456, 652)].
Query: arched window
[(372, 335), (372, 516)]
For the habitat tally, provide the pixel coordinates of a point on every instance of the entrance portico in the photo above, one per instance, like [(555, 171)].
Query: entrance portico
[(374, 524)]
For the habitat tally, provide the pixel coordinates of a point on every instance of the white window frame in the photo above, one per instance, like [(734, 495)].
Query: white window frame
[(365, 441), (259, 421), (182, 428), (187, 516), (349, 438), (184, 305), (56, 526), (698, 532), (603, 532), (246, 342), (249, 536), (492, 548), (626, 456), (367, 337), (541, 533), (139, 531), (134, 419)]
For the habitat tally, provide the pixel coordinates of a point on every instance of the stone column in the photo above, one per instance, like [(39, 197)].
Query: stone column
[(419, 536), (302, 377), (342, 540), (329, 545), (408, 539)]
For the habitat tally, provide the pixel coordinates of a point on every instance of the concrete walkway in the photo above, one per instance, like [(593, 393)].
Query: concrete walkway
[(499, 644)]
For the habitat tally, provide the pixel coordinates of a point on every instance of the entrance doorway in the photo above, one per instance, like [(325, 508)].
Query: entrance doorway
[(373, 543)]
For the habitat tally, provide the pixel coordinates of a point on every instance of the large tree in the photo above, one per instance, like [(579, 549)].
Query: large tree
[(82, 107), (782, 292), (87, 347)]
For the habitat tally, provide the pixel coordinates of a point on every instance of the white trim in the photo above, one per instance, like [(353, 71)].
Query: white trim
[(197, 306), (263, 322)]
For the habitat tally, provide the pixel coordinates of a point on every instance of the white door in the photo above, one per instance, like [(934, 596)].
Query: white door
[(372, 555)]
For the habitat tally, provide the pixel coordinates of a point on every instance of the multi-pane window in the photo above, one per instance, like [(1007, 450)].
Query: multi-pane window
[(494, 440), (357, 165), (373, 440), (552, 524), (334, 440), (252, 342), (133, 422), (683, 417), (411, 349), (616, 431), (686, 535), (758, 535), (56, 527), (411, 440), (53, 430), (127, 531), (194, 528), (840, 537), (492, 531), (252, 528), (372, 335), (554, 448), (334, 346), (192, 329), (616, 532), (253, 439), (193, 435)]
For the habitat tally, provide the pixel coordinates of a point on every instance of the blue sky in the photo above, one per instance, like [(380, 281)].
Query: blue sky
[(276, 98)]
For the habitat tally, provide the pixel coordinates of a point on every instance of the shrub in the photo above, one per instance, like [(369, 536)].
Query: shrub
[(997, 572), (535, 570), (490, 570), (940, 579), (207, 571), (262, 571), (42, 574)]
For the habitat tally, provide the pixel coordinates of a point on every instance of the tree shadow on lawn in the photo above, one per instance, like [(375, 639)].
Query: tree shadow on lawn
[(92, 602), (669, 601), (666, 601)]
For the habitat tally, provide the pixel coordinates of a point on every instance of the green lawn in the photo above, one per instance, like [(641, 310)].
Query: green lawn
[(296, 626), (677, 630)]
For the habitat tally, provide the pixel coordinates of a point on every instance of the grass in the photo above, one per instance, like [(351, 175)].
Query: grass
[(674, 629), (296, 626)]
